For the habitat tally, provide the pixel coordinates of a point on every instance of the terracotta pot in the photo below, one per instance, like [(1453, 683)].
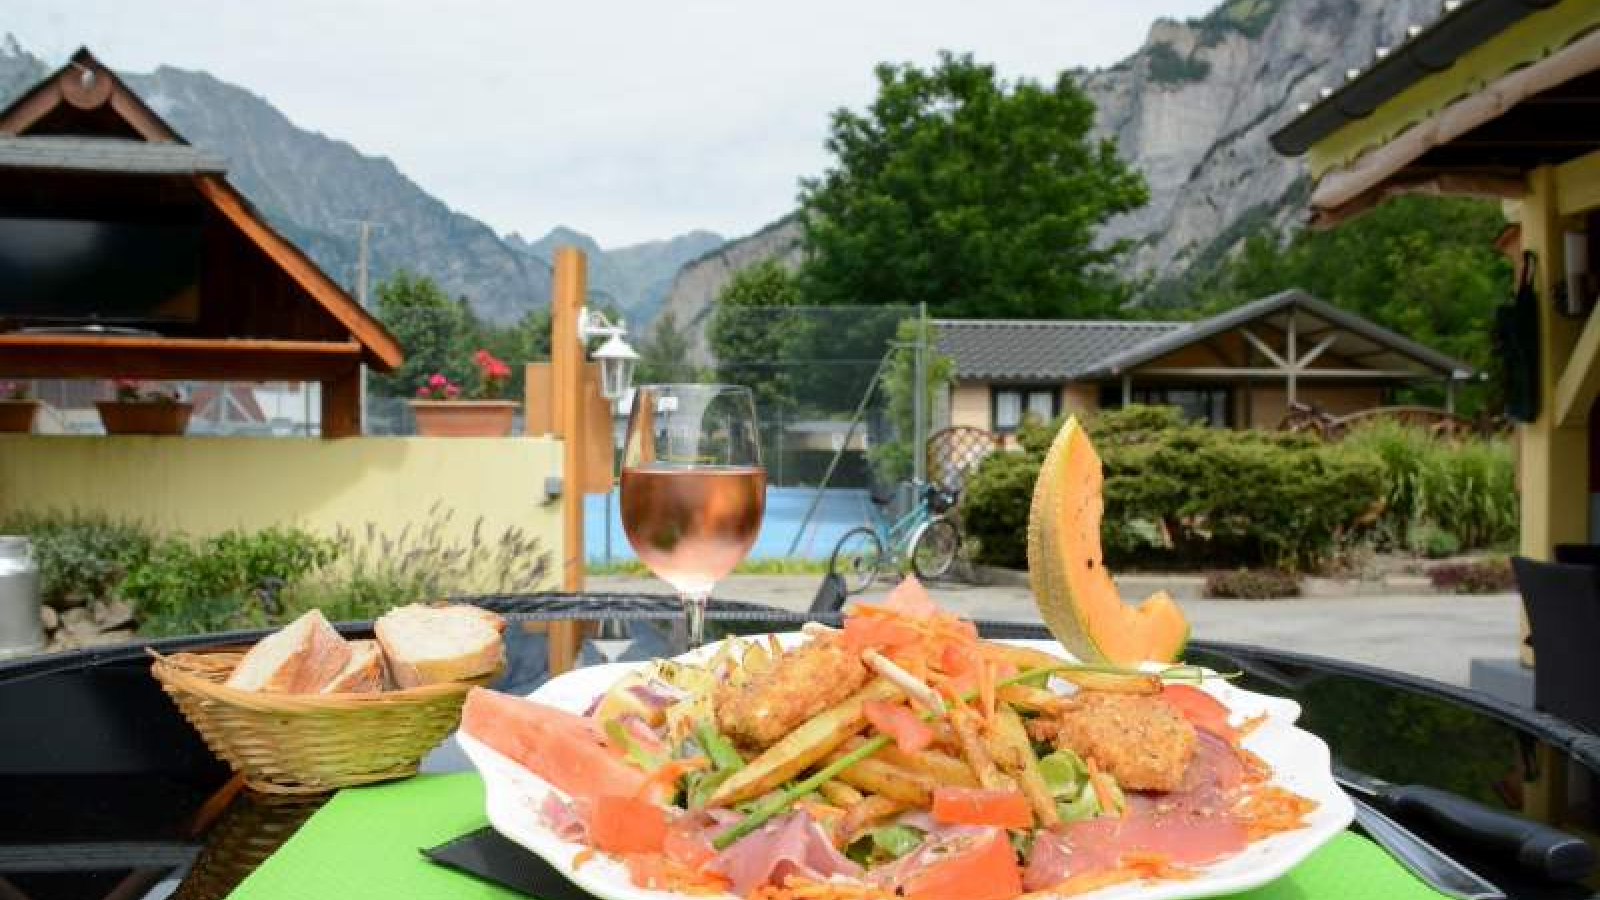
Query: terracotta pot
[(463, 418), (144, 417), (16, 416)]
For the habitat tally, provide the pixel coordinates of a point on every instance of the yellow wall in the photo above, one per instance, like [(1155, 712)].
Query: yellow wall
[(969, 405), (206, 485), (1267, 405), (1080, 399)]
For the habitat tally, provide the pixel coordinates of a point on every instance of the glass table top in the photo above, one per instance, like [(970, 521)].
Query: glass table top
[(105, 791)]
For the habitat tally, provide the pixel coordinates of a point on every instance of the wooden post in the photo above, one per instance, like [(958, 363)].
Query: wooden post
[(341, 405), (1127, 391), (1292, 358), (566, 364)]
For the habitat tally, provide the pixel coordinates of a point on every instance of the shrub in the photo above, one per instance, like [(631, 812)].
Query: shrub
[(1206, 495), (1252, 584), (81, 556), (221, 583), (1466, 487), (1491, 575), (1435, 542)]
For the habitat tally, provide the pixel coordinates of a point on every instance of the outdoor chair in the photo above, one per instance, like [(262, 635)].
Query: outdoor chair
[(1563, 604)]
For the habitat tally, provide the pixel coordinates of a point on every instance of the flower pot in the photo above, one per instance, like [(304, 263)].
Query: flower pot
[(16, 416), (463, 418), (144, 416)]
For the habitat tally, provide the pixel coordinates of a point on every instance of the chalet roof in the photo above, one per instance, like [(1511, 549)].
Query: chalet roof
[(1352, 335), (1038, 349), (116, 155), (83, 118)]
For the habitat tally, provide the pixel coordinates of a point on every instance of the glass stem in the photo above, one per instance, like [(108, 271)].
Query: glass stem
[(694, 610)]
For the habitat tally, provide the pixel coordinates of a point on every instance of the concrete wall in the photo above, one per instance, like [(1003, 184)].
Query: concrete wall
[(206, 485)]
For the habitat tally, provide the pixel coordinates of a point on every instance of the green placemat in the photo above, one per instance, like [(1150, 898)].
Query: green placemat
[(364, 846)]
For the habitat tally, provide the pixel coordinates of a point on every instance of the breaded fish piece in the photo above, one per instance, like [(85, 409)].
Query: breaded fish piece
[(1140, 740), (802, 682)]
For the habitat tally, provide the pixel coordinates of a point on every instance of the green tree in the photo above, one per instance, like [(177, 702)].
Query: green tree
[(664, 357), (892, 460), (434, 330), (974, 195), (1425, 267), (754, 326), (525, 340)]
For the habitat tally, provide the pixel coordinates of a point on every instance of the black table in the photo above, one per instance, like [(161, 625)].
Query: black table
[(106, 792)]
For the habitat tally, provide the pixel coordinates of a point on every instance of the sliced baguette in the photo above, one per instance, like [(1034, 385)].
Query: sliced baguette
[(363, 674), (433, 644), (299, 658)]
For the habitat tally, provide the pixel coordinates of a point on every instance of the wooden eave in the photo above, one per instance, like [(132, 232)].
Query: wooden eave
[(45, 355)]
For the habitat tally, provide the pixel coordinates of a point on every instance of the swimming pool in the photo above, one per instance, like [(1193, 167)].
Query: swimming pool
[(840, 510)]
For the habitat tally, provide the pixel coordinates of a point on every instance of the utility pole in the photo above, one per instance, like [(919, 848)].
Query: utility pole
[(363, 297), (919, 424)]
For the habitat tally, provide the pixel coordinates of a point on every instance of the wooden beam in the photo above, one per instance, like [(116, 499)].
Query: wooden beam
[(1263, 349), (341, 405), (239, 359), (384, 352), (570, 285), (1305, 375), (1312, 354), (1578, 185), (1579, 384)]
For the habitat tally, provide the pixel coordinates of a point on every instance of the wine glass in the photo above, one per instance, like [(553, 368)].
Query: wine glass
[(693, 488)]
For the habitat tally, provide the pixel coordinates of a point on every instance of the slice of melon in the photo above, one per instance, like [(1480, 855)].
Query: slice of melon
[(1077, 597), (567, 750)]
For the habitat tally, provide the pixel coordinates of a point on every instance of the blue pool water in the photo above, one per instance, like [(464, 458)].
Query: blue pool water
[(840, 510)]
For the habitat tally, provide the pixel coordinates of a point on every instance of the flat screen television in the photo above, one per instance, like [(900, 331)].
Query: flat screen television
[(68, 272)]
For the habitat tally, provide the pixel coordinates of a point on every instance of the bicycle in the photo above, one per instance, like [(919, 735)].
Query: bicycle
[(925, 538)]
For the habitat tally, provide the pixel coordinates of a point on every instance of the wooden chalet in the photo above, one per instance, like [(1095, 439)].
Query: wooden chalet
[(80, 145)]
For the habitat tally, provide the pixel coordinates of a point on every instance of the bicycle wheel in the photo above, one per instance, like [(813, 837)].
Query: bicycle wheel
[(933, 549), (856, 559)]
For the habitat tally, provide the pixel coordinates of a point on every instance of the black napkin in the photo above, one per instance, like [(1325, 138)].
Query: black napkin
[(488, 855)]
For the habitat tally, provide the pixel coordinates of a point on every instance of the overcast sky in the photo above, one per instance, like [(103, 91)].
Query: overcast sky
[(629, 121)]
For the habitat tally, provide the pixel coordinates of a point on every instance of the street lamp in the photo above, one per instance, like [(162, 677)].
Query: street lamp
[(615, 357)]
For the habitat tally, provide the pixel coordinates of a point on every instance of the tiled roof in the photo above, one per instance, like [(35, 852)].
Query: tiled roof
[(1043, 350), (87, 154)]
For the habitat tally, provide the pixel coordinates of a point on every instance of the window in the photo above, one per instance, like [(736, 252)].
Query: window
[(1011, 404), (1209, 404)]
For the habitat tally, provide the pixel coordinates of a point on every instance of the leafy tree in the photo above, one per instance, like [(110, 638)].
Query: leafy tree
[(524, 341), (892, 460), (976, 196), (753, 327), (664, 357), (1425, 267), (434, 330)]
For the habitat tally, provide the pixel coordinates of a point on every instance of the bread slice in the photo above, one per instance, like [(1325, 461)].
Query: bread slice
[(363, 674), (432, 644), (299, 658)]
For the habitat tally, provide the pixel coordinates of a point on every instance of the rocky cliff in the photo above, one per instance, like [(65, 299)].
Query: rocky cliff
[(701, 280), (317, 190), (1192, 110)]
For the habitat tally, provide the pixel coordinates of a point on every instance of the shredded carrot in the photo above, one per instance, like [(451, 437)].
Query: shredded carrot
[(656, 871), (1270, 809), (986, 698), (670, 771), (1251, 724), (581, 857), (797, 888)]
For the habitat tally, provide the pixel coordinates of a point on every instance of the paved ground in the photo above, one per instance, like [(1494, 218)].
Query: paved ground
[(1433, 636)]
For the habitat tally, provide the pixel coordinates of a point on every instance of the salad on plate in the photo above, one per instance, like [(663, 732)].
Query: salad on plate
[(901, 756)]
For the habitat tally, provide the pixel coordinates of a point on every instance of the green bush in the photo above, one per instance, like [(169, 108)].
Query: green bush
[(1252, 584), (81, 556), (1465, 488), (221, 583), (1207, 495)]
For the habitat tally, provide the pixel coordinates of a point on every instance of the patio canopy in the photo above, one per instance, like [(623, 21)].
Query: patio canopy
[(81, 146), (1497, 98)]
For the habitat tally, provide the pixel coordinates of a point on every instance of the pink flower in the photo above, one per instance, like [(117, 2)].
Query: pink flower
[(450, 391), (438, 380), (422, 390)]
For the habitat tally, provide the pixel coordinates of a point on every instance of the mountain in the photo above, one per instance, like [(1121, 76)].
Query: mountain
[(701, 280), (317, 190), (635, 278), (1191, 109)]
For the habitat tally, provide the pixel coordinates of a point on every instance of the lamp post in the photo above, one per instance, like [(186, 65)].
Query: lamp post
[(616, 358)]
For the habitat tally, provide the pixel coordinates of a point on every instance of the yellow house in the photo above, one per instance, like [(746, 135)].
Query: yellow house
[(1495, 98)]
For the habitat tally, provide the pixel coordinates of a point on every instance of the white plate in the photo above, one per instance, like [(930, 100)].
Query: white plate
[(1299, 762)]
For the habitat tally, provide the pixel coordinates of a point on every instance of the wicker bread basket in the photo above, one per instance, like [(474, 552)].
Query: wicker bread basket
[(309, 743)]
